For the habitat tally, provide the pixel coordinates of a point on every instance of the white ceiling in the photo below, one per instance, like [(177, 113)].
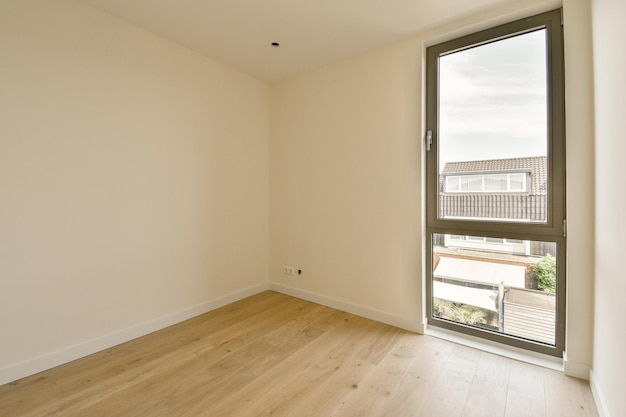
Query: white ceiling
[(311, 33)]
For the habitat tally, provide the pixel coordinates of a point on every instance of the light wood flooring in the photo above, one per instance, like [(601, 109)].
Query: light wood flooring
[(275, 355)]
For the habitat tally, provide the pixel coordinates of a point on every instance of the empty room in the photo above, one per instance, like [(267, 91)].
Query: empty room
[(289, 208)]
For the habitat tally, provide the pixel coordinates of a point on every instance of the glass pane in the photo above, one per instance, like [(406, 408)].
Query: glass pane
[(495, 182), (501, 285), (452, 184), (471, 183), (493, 130), (517, 182)]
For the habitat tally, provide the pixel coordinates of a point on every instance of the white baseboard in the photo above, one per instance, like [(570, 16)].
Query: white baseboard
[(368, 313), (597, 396), (70, 353), (577, 370)]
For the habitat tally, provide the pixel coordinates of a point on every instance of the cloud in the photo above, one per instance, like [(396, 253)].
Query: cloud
[(494, 96)]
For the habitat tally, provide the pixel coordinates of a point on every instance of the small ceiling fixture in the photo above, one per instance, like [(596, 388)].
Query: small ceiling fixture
[(275, 44)]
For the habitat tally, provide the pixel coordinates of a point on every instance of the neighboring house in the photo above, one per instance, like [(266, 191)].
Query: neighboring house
[(513, 189)]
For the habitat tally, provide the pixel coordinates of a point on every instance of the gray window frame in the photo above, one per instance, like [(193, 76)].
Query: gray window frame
[(553, 230)]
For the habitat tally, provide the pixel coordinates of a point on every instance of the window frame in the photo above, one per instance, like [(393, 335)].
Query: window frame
[(553, 229)]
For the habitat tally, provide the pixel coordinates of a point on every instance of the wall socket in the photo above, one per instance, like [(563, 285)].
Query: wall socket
[(289, 270)]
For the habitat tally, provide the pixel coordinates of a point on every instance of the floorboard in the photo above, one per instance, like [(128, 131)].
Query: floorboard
[(275, 355)]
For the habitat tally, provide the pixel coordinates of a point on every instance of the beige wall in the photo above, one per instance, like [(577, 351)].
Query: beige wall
[(134, 178), (580, 185), (346, 180), (609, 360)]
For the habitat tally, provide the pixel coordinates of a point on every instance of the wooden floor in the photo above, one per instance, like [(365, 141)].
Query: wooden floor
[(274, 355)]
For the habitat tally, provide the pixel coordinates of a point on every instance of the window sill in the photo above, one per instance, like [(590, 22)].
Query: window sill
[(506, 351)]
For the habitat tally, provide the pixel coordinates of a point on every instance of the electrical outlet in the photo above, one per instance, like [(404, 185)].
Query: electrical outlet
[(289, 270)]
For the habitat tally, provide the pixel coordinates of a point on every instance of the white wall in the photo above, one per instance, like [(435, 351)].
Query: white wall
[(346, 181), (609, 359), (580, 186), (134, 182)]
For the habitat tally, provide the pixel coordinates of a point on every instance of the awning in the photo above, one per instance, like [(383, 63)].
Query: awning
[(488, 273), (473, 296)]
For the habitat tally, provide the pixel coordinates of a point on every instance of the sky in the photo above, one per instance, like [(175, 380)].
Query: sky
[(492, 100)]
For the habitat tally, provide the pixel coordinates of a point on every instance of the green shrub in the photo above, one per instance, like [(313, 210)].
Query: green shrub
[(545, 272)]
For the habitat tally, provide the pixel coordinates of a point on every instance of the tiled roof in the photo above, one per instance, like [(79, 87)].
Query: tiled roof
[(536, 165)]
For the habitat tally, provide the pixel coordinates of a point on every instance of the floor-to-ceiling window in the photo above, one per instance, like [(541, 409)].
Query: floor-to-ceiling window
[(495, 184)]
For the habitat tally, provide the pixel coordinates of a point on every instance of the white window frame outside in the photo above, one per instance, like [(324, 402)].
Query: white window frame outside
[(448, 177), (512, 246)]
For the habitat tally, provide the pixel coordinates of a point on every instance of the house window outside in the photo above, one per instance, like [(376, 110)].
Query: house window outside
[(486, 183), (513, 246), (503, 189)]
